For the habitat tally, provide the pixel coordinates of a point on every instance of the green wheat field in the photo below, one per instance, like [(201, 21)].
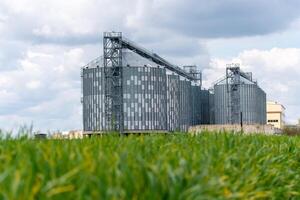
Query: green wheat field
[(173, 166)]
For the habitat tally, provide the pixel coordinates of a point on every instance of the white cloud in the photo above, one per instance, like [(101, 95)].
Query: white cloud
[(32, 85), (56, 21), (44, 89), (215, 19)]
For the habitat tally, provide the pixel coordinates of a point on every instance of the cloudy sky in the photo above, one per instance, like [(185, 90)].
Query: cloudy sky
[(43, 44)]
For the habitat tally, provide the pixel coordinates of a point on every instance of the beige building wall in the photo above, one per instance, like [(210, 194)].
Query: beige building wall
[(275, 114)]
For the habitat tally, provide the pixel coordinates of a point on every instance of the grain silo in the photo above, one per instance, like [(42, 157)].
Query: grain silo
[(207, 107), (130, 89), (239, 99)]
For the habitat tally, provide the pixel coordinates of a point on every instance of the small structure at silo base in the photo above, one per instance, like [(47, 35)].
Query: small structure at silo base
[(72, 134), (276, 114)]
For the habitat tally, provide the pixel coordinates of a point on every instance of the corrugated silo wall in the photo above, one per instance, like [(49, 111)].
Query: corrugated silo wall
[(221, 104), (196, 105), (211, 108), (179, 104), (207, 107), (172, 102), (185, 104), (93, 99), (145, 100), (204, 107), (152, 100), (253, 104)]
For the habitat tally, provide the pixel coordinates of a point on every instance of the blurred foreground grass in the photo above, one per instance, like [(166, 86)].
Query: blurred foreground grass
[(179, 166)]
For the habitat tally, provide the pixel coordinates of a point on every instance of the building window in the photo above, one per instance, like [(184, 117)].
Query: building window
[(272, 120)]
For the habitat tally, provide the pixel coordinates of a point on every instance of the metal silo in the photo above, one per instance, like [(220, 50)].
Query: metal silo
[(238, 99), (207, 107), (130, 89), (152, 100), (211, 107), (173, 102), (182, 97), (196, 111), (145, 106), (144, 97), (185, 105), (93, 96)]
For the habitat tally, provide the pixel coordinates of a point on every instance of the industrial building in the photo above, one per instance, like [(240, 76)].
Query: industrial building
[(132, 90), (238, 99), (276, 114)]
